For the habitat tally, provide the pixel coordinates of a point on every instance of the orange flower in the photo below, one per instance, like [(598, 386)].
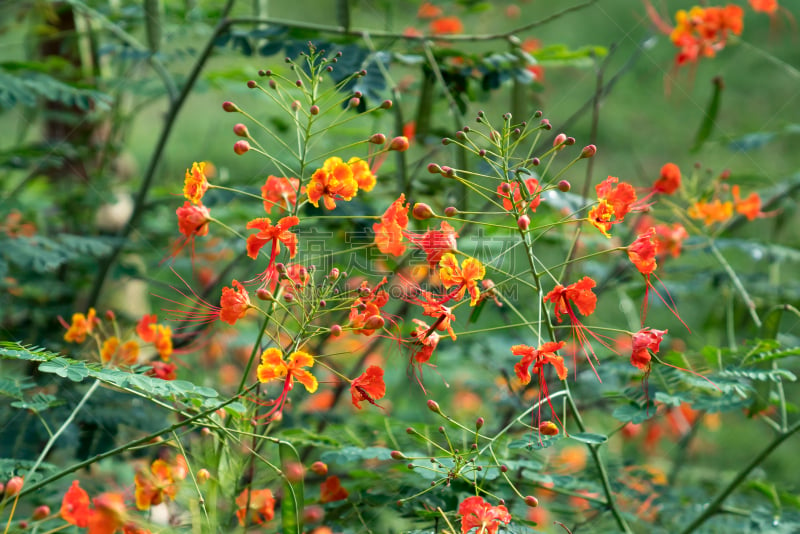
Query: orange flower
[(600, 216), (711, 212), (669, 179), (279, 192), (146, 328), (75, 506), (465, 278), (613, 201), (193, 220), (446, 26), (163, 341), (429, 11), (195, 184), (538, 357), (331, 490), (764, 6), (532, 184), (259, 509), (432, 307), (669, 239), (273, 366), (153, 487), (436, 243), (128, 353), (642, 252), (332, 182), (389, 232), (368, 387), (749, 207), (645, 340), (477, 513), (81, 326), (362, 173), (580, 294), (109, 514), (704, 31), (277, 234), (234, 303)]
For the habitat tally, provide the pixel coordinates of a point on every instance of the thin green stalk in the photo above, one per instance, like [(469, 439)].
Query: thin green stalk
[(715, 506)]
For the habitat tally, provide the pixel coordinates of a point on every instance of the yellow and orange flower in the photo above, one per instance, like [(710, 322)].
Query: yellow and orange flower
[(257, 506), (273, 367), (436, 243), (465, 277), (81, 326), (362, 174), (334, 181), (154, 486), (711, 212), (195, 183), (163, 341), (750, 207)]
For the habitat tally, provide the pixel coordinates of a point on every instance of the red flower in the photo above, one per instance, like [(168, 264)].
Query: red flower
[(645, 340), (260, 506), (477, 513), (331, 490), (642, 252), (146, 328), (109, 514), (428, 11), (368, 387), (669, 239), (280, 193), (446, 26), (163, 370), (234, 303), (389, 232), (193, 219), (75, 506), (764, 6), (532, 184), (436, 243), (153, 487), (195, 183), (749, 207), (614, 201), (277, 234), (538, 357), (365, 313), (669, 180)]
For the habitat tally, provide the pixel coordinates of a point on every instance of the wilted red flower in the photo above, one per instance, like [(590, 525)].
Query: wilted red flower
[(279, 192), (75, 506), (669, 179), (645, 340), (368, 387), (446, 26), (257, 506), (532, 185), (669, 239), (331, 490), (389, 232), (478, 514), (193, 220)]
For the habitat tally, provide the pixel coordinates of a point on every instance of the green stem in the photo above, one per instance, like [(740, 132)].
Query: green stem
[(737, 283), (716, 505)]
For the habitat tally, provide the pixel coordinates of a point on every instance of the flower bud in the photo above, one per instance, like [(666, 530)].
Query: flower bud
[(354, 102), (319, 468), (410, 430), (524, 222), (482, 153), (333, 275), (479, 423), (537, 114), (535, 162), (507, 116), (397, 455), (272, 84), (570, 141), (40, 512), (262, 293), (296, 105), (422, 211), (531, 501), (495, 136), (377, 139), (588, 151), (375, 322), (441, 431), (14, 486), (202, 476), (336, 330), (241, 130), (313, 514), (504, 469), (548, 428), (358, 94), (559, 140), (399, 143), (410, 466), (564, 186), (505, 187), (362, 72), (240, 147), (110, 315), (299, 83), (386, 104), (446, 141), (434, 168), (434, 406), (314, 110), (451, 211), (230, 107), (288, 298), (252, 84)]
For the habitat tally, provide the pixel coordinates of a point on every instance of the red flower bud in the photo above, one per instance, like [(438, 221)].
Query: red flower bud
[(560, 139), (422, 211), (262, 293), (548, 428), (434, 168), (294, 471), (110, 315), (397, 455), (240, 147), (40, 512), (450, 211), (531, 501), (386, 104), (377, 139), (230, 107), (314, 110), (524, 222), (241, 130), (296, 105), (399, 143), (336, 330), (564, 186), (588, 151), (313, 514), (333, 275), (434, 406), (14, 486), (354, 102), (252, 84), (479, 423), (375, 322), (320, 468)]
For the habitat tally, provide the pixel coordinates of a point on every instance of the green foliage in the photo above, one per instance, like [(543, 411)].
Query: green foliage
[(19, 84)]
